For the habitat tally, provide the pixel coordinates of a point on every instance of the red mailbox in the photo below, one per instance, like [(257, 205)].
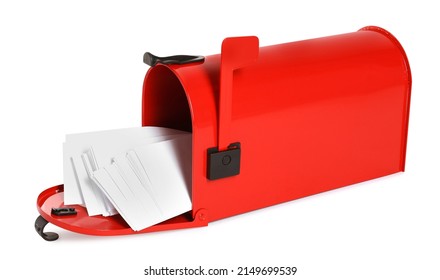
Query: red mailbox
[(271, 124)]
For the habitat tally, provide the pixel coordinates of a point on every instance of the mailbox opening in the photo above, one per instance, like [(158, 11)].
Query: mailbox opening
[(165, 104)]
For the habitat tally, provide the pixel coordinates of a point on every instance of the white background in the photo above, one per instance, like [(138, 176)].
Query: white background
[(77, 66)]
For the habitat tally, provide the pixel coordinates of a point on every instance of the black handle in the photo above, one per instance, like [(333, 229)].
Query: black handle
[(40, 223), (152, 60)]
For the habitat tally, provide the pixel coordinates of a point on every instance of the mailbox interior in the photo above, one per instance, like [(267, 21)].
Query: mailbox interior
[(164, 100)]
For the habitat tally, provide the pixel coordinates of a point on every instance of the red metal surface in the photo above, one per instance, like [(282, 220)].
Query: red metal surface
[(311, 116)]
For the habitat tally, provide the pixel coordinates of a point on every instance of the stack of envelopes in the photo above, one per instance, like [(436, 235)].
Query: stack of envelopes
[(142, 173)]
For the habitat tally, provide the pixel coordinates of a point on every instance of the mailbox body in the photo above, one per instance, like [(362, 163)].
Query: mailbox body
[(310, 116)]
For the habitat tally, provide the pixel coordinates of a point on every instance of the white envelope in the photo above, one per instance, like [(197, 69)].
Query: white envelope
[(151, 183), (78, 189)]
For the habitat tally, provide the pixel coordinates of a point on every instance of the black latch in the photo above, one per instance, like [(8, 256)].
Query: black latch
[(222, 164), (63, 211)]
